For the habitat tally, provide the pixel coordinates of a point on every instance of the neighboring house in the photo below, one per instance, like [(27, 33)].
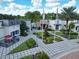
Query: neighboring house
[(42, 23), (28, 24), (9, 27), (57, 24), (76, 29), (52, 24)]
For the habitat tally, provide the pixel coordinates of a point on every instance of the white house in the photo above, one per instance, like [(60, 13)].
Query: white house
[(28, 24), (58, 24), (76, 29), (9, 27)]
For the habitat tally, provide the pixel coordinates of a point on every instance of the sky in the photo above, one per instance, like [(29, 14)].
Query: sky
[(20, 7)]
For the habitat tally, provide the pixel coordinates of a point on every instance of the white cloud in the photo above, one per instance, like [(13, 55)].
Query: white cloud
[(51, 1), (6, 0), (18, 9), (16, 6), (36, 3), (15, 9), (13, 12), (77, 10), (9, 0), (53, 10), (70, 3), (52, 4)]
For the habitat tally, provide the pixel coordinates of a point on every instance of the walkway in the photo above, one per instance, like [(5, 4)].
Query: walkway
[(4, 51), (50, 49), (19, 55), (56, 48)]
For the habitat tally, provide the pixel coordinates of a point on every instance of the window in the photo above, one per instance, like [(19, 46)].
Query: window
[(17, 32), (13, 33), (77, 28)]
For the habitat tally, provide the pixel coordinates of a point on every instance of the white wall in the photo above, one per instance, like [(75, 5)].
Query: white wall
[(1, 33), (53, 22), (8, 29), (28, 23), (0, 24)]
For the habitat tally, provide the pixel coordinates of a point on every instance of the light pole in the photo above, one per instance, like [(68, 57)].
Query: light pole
[(57, 23), (43, 18), (78, 33)]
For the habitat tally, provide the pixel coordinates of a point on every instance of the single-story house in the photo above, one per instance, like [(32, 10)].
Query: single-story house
[(9, 28)]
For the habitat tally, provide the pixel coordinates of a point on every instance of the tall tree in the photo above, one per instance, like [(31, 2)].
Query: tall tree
[(29, 16), (23, 28), (37, 16), (50, 16), (33, 16), (68, 14)]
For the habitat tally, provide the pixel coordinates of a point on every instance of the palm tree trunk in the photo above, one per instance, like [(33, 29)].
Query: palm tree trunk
[(67, 24), (67, 29)]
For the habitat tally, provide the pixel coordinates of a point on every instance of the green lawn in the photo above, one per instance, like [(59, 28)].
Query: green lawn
[(58, 39), (49, 39), (71, 35), (24, 46), (26, 57), (42, 55), (59, 33), (39, 34)]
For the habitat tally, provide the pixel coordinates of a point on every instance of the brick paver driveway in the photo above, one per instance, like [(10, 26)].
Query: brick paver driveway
[(73, 55)]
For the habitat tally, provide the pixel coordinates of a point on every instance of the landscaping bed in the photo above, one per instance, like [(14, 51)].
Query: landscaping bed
[(70, 35), (40, 55), (49, 39), (27, 57), (30, 43)]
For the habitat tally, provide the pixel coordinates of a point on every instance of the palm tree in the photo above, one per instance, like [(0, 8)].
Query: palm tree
[(68, 14)]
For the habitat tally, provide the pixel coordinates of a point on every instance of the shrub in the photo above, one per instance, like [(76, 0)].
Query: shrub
[(49, 39), (30, 43), (41, 55), (23, 28), (58, 39), (73, 35)]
